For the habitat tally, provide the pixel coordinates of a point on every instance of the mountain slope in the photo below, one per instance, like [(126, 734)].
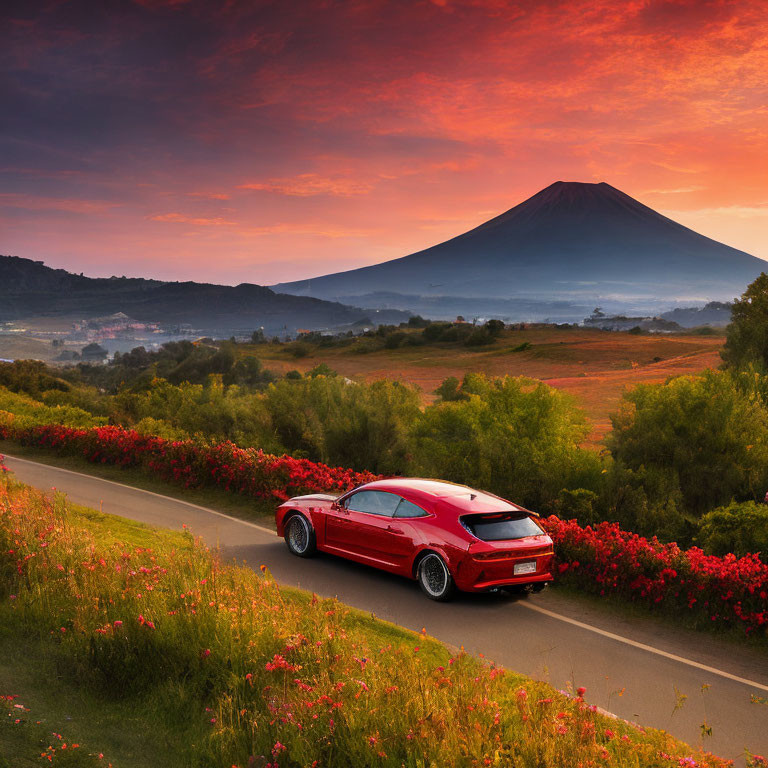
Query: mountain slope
[(29, 288), (569, 240)]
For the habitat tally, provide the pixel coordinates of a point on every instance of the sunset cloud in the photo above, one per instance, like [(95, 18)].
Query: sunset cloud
[(354, 132), (311, 184), (38, 203), (180, 218)]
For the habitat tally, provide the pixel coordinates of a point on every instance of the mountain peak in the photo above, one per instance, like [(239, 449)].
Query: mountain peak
[(568, 238)]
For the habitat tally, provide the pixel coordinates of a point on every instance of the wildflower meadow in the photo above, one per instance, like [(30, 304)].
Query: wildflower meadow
[(275, 677)]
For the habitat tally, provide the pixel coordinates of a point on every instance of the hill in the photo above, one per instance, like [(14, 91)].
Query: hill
[(31, 289), (571, 241)]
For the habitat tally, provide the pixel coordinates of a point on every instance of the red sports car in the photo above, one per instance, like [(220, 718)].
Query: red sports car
[(445, 536)]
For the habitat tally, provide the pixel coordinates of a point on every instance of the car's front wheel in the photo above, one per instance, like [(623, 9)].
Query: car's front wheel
[(434, 578), (300, 536)]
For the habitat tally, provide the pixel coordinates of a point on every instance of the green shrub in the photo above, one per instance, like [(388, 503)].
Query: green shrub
[(450, 390), (344, 423), (703, 435), (28, 412), (516, 437), (479, 338), (579, 504), (737, 528)]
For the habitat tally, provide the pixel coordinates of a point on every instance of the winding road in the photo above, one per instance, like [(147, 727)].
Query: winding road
[(633, 666)]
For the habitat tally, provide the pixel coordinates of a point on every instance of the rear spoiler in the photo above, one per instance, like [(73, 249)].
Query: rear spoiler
[(507, 501)]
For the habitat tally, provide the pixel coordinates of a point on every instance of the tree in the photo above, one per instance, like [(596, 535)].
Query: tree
[(330, 419), (703, 435), (494, 327), (737, 528), (93, 351), (513, 436), (450, 390), (747, 335)]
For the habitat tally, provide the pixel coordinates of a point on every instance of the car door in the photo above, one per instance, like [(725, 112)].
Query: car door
[(406, 533), (370, 524), (338, 528)]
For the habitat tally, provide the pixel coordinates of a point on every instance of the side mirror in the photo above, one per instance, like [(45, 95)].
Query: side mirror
[(335, 506)]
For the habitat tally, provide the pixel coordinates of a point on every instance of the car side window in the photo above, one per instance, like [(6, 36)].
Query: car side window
[(373, 502), (408, 509)]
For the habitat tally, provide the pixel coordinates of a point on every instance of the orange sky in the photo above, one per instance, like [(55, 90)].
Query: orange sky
[(234, 141)]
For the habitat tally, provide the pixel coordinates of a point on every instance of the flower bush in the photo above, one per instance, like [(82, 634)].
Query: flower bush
[(246, 471), (276, 678), (724, 591)]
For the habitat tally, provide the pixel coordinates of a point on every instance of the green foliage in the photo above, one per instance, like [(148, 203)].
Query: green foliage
[(211, 411), (747, 335), (323, 369), (31, 377), (178, 362), (702, 435), (330, 419), (479, 337), (450, 390), (522, 347), (494, 327), (25, 411), (737, 528), (579, 504), (247, 371), (647, 501), (513, 436), (395, 339)]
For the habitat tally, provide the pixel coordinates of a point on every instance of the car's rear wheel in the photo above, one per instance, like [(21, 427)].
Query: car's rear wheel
[(434, 578), (300, 536)]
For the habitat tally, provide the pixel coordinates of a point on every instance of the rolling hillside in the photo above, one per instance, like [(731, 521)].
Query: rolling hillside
[(29, 288)]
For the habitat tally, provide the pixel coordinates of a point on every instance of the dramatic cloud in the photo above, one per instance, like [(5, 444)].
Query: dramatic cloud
[(324, 134)]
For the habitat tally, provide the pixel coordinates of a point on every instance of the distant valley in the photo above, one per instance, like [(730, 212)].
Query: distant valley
[(30, 289)]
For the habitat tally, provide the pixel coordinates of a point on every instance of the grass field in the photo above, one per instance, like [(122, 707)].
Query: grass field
[(21, 346), (595, 366), (136, 643)]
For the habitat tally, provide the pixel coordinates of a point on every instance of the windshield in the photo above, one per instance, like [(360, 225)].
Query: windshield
[(501, 526)]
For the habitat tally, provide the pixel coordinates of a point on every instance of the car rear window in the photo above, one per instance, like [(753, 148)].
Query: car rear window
[(501, 526), (407, 509)]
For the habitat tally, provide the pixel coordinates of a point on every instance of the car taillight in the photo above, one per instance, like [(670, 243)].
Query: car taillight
[(496, 555), (513, 554)]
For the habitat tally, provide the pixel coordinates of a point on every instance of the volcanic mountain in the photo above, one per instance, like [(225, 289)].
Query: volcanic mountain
[(570, 241)]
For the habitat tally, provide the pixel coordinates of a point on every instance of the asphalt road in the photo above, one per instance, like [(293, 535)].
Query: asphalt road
[(630, 665)]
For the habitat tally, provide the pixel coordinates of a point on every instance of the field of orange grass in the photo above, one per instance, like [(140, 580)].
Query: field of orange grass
[(595, 366), (274, 677)]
